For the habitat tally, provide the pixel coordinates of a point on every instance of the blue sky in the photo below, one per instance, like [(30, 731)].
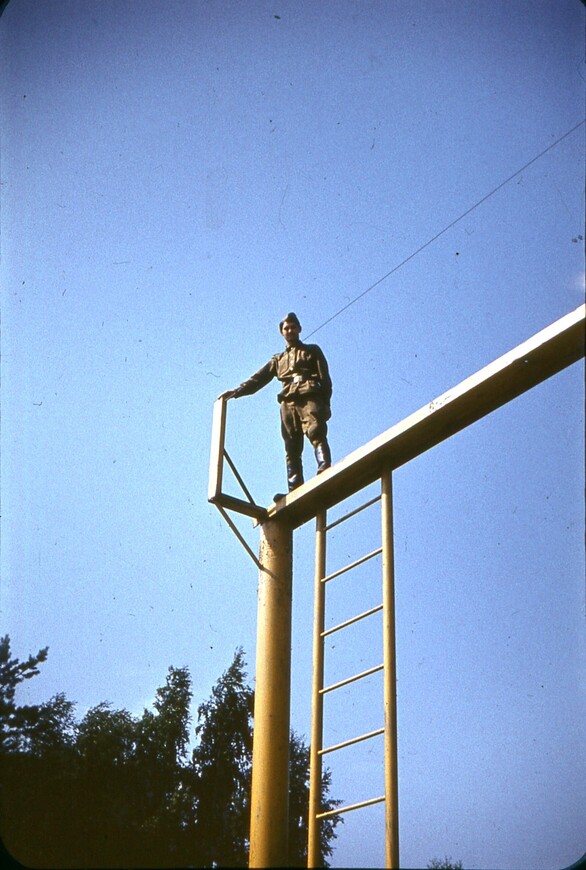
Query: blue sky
[(178, 175)]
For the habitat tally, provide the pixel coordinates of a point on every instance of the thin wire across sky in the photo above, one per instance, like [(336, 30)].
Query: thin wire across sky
[(449, 226)]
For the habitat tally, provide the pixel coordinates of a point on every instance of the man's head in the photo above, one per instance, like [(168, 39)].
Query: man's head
[(290, 328)]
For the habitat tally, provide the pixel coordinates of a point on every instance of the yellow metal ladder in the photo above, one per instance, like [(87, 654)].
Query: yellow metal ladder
[(388, 666)]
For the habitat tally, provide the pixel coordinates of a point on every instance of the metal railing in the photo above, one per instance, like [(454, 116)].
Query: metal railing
[(217, 456)]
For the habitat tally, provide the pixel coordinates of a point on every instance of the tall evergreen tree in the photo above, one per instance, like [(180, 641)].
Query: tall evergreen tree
[(16, 721)]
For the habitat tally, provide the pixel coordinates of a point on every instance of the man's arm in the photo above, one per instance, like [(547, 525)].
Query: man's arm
[(254, 383)]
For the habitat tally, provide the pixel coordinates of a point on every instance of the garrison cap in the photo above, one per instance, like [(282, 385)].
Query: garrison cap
[(292, 317)]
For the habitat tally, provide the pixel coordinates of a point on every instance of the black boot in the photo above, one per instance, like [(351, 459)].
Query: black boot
[(294, 472), (323, 456)]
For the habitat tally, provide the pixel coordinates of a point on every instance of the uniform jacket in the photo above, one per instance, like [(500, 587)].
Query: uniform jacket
[(302, 370)]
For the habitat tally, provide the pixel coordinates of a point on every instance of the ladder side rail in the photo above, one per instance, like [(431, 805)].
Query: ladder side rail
[(315, 754), (390, 676)]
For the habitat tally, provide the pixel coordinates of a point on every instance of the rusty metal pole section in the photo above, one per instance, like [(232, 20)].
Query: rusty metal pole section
[(315, 763), (269, 820), (390, 677)]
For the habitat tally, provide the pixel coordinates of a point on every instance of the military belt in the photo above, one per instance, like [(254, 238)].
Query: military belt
[(298, 379)]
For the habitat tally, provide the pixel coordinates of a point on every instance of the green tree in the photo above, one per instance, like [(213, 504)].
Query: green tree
[(167, 782), (16, 721), (299, 807), (222, 764), (444, 864), (108, 784), (36, 754), (54, 728), (116, 790)]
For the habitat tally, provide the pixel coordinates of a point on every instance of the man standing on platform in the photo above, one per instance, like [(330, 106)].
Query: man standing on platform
[(304, 398)]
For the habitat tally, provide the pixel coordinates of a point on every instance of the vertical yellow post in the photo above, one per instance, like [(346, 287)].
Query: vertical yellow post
[(269, 820), (315, 759), (390, 677)]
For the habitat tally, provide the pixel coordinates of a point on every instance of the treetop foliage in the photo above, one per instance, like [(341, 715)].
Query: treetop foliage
[(444, 864)]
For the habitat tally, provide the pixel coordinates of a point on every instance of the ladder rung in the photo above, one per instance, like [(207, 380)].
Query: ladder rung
[(352, 565), (352, 741), (351, 807), (351, 679), (352, 513), (352, 621)]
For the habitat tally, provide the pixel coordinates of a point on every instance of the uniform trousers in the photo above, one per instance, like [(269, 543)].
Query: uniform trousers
[(305, 416)]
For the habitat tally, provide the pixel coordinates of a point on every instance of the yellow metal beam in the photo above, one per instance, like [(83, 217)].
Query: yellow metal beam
[(541, 356)]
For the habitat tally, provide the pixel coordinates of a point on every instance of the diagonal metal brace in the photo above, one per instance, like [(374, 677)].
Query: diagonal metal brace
[(238, 534), (239, 478)]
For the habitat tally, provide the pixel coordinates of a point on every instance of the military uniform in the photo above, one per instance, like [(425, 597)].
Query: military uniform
[(304, 398)]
